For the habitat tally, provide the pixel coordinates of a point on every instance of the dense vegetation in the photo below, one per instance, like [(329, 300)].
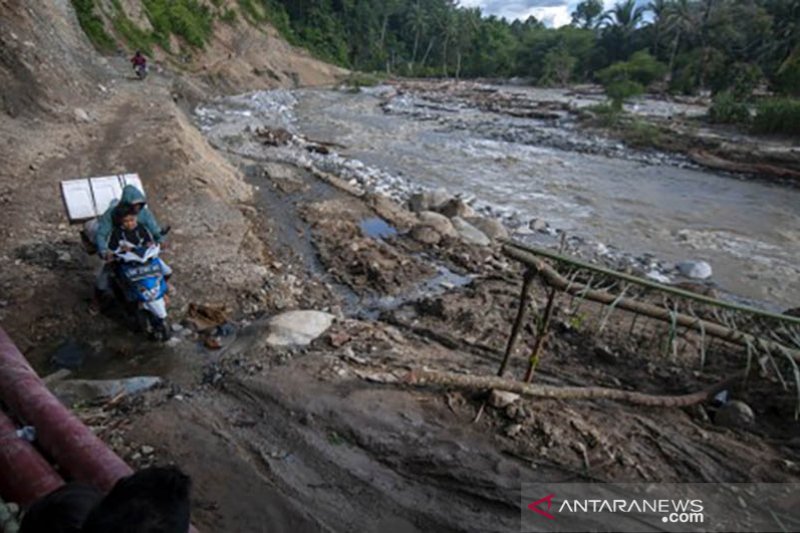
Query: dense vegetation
[(715, 44), (730, 47)]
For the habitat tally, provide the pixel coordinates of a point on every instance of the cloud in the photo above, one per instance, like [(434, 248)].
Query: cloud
[(553, 13)]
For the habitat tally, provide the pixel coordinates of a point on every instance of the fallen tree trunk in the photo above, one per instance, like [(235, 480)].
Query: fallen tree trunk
[(554, 279), (463, 381), (714, 161)]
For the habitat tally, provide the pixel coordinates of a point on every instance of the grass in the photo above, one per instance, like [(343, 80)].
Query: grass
[(92, 26), (356, 80), (726, 109), (778, 115)]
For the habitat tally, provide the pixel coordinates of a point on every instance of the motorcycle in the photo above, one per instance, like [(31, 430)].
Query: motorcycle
[(138, 283), (141, 71)]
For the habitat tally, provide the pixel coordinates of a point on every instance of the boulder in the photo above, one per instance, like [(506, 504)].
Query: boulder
[(491, 227), (456, 208), (439, 222), (469, 233), (297, 328), (537, 224), (694, 269), (425, 234), (427, 200), (735, 414), (501, 399)]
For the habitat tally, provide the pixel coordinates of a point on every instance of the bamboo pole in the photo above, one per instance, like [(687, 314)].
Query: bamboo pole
[(554, 279), (509, 245), (465, 381), (524, 301), (541, 338)]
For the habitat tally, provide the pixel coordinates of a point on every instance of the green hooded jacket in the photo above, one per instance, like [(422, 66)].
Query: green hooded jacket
[(130, 195)]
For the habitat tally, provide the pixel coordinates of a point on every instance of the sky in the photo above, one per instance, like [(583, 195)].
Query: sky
[(551, 12)]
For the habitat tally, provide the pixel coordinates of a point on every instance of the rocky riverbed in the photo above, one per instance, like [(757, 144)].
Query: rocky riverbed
[(519, 156)]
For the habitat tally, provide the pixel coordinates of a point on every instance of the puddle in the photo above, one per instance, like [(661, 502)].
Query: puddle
[(370, 308), (377, 228)]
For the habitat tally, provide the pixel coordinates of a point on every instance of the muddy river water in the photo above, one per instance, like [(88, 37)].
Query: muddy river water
[(640, 203)]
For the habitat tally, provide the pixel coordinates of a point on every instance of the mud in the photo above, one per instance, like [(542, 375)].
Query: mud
[(326, 437)]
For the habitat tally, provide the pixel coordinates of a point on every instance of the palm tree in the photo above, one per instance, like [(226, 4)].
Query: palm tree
[(659, 8), (625, 17), (681, 19), (619, 23)]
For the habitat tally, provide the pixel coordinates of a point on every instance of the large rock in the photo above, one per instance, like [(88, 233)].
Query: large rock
[(491, 227), (426, 234), (469, 233), (456, 208), (297, 328), (501, 399), (694, 269), (735, 414), (438, 222), (427, 200)]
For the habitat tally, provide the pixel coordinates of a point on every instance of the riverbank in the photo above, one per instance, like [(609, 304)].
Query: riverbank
[(322, 434)]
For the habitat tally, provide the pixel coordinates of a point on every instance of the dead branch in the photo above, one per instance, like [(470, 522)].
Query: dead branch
[(463, 381), (556, 280)]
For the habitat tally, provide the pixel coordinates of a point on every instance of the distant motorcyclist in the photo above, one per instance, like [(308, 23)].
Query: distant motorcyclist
[(139, 62)]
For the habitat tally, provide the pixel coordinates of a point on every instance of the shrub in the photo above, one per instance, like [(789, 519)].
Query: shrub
[(92, 25), (787, 79), (228, 16), (778, 115), (727, 109), (641, 68), (619, 91)]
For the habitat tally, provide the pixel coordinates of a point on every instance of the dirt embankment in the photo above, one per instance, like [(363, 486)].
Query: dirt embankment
[(71, 112), (291, 439)]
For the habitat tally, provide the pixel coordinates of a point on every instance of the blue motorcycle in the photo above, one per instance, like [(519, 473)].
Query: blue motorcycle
[(139, 284)]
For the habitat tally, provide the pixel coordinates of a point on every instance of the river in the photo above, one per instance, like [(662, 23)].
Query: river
[(641, 203)]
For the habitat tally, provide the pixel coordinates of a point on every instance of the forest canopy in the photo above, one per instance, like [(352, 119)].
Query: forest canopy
[(722, 45)]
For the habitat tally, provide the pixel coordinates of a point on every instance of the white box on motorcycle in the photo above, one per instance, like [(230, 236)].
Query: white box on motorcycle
[(88, 198)]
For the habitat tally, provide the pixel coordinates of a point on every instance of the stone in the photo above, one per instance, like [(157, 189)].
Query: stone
[(71, 391), (439, 222), (513, 430), (537, 224), (491, 227), (425, 234), (81, 115), (501, 399), (735, 414), (427, 200), (297, 328), (657, 276), (456, 208), (469, 233), (147, 450), (694, 269)]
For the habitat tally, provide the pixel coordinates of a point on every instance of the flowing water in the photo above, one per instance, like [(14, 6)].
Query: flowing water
[(641, 203)]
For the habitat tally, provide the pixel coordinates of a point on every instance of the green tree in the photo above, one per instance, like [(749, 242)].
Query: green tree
[(587, 14)]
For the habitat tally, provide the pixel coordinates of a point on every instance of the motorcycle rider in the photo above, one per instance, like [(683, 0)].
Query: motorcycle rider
[(139, 61), (131, 197), (128, 234)]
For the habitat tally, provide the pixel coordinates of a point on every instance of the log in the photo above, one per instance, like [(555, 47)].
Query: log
[(708, 159), (554, 279), (464, 381)]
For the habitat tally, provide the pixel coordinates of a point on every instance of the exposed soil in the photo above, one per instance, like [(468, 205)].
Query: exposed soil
[(309, 439)]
